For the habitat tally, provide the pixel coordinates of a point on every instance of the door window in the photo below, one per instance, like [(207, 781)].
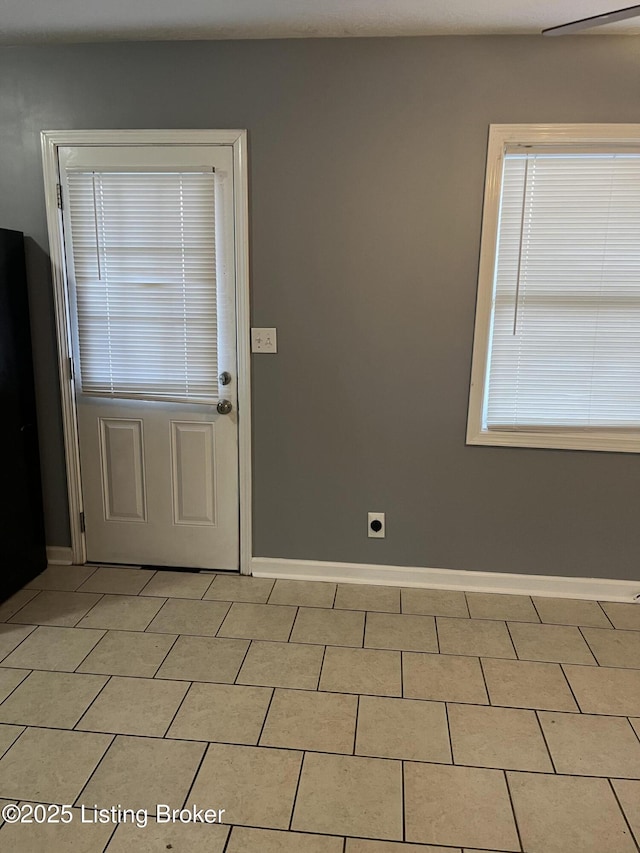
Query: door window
[(144, 256)]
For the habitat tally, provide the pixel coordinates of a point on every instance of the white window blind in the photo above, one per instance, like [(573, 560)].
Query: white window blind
[(565, 337), (143, 247)]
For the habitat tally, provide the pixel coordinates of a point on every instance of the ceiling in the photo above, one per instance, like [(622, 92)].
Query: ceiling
[(33, 21)]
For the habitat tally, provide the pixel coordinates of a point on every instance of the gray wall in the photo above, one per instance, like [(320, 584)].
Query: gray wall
[(367, 169)]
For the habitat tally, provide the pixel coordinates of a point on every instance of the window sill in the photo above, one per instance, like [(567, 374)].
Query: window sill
[(612, 442)]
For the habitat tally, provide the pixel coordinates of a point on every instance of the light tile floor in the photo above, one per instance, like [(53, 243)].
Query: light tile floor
[(322, 718)]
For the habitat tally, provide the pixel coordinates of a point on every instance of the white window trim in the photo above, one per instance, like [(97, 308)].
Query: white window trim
[(50, 141), (501, 135)]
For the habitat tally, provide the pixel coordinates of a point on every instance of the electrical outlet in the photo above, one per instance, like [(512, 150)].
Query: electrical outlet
[(264, 340), (376, 527)]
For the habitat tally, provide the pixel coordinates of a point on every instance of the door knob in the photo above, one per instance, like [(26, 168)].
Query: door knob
[(224, 378), (224, 407)]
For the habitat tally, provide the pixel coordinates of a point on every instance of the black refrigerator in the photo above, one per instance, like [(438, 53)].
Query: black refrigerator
[(22, 544)]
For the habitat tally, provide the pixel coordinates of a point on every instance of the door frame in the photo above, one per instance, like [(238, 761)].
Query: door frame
[(51, 140)]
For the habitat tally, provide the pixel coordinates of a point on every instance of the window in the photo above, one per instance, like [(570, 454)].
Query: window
[(144, 261), (556, 359)]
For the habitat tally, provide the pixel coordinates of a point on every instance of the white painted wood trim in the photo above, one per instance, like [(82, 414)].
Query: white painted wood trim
[(63, 338), (59, 556), (51, 140), (243, 344), (593, 133), (501, 135), (142, 137), (599, 589)]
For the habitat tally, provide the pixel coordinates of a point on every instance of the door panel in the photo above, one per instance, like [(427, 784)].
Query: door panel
[(159, 465), (193, 455), (121, 454)]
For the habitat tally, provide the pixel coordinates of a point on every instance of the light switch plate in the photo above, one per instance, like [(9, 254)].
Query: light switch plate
[(264, 340)]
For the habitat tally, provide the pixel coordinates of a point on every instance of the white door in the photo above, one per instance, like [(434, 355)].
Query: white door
[(149, 248)]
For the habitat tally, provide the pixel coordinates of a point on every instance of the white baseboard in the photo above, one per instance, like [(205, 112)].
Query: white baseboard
[(600, 589), (59, 556)]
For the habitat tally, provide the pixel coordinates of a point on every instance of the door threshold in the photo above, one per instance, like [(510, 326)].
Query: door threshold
[(187, 569), (190, 569)]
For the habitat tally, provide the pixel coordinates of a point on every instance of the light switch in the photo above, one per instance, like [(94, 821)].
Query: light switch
[(264, 340)]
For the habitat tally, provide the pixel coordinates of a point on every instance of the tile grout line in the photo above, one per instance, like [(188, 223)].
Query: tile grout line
[(544, 738), (227, 841), (130, 630), (34, 628), (36, 592), (168, 652), (99, 762), (114, 735), (536, 609), (209, 585), (272, 591), (317, 687), (403, 802), (295, 798), (314, 645), (95, 569), (100, 595), (486, 689), (513, 645), (448, 725), (242, 601), (266, 716), (99, 640), (575, 698), (162, 606), (513, 809), (462, 619), (242, 662), (110, 839), (606, 615), (295, 795), (205, 752), (466, 604), (357, 723), (186, 633), (13, 743), (268, 640), (293, 622), (147, 582), (591, 651), (177, 711), (293, 626), (19, 684), (20, 609), (624, 815), (144, 630), (633, 728), (99, 693)]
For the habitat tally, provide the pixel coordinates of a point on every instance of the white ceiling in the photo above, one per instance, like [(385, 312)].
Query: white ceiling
[(105, 20)]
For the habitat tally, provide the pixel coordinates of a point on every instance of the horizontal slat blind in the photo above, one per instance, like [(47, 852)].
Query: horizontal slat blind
[(565, 342), (144, 258)]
